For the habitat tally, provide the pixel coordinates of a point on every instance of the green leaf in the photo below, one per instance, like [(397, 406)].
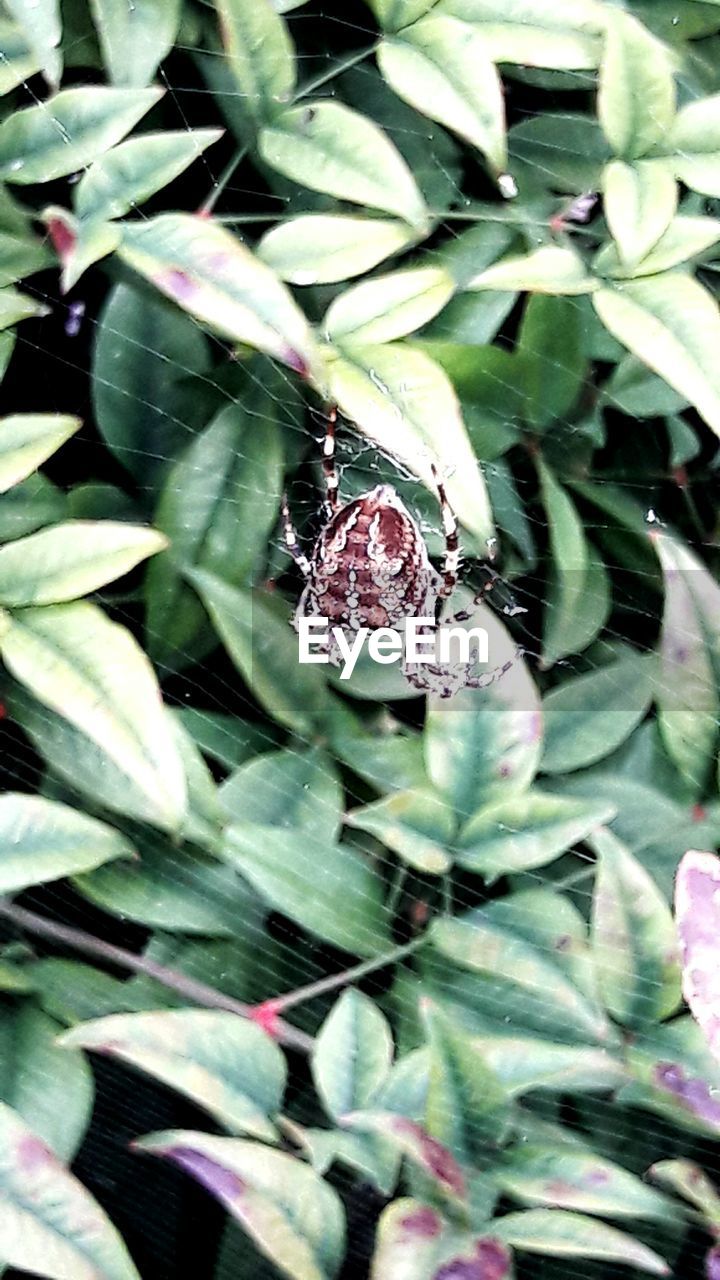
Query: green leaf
[(690, 1181), (489, 947), (425, 1152), (566, 622), (481, 749), (550, 269), (41, 24), (69, 560), (19, 62), (526, 831), (565, 1179), (633, 937), (260, 55), (226, 1065), (467, 1108), (93, 673), (418, 825), (673, 325), (49, 1223), (256, 632), (562, 150), (443, 68), (218, 507), (552, 361), (683, 239), (588, 716), (388, 307), (352, 1054), (134, 38), (15, 306), (536, 33), (688, 698), (639, 201), (397, 396), (42, 841), (130, 173), (523, 1063), (298, 790), (694, 145), (27, 439), (144, 351), (211, 274), (639, 393), (342, 906), (294, 1218), (394, 14), (636, 95), (323, 248), (51, 1089), (571, 1235), (330, 148), (69, 131)]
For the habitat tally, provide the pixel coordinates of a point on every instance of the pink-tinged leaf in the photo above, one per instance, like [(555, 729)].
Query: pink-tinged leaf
[(490, 1261), (410, 1241), (712, 1263), (697, 912), (557, 1233), (427, 1153), (211, 274), (293, 1217), (49, 1224), (692, 1092)]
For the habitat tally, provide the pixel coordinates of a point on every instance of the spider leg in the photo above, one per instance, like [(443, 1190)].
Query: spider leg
[(291, 539), (329, 468), (489, 677), (451, 562)]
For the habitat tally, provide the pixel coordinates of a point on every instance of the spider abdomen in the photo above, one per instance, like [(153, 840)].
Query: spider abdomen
[(370, 567)]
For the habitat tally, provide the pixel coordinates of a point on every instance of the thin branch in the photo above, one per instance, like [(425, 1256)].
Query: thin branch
[(197, 992), (345, 977)]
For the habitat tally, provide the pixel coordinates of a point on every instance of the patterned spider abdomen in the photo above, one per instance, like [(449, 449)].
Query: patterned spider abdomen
[(370, 567)]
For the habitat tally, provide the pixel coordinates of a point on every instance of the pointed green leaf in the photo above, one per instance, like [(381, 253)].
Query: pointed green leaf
[(690, 1181), (688, 697), (134, 38), (19, 62), (673, 325), (47, 1088), (442, 67), (41, 24), (536, 33), (330, 148), (590, 715), (130, 173), (294, 1218), (388, 307), (352, 1054), (550, 269), (571, 1235), (684, 238), (41, 840), (15, 306), (550, 359), (225, 1064), (633, 938), (27, 439), (297, 790), (323, 248), (694, 145), (467, 1108), (70, 560), (527, 831), (424, 1151), (68, 131), (578, 602), (397, 395), (636, 96), (260, 55), (639, 201), (565, 1179), (93, 673), (211, 274), (342, 905), (418, 825), (49, 1224)]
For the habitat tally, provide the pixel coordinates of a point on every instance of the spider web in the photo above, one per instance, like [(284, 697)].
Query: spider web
[(62, 345)]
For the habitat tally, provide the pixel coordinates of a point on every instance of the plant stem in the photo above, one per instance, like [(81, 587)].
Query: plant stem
[(198, 992), (347, 976), (227, 173), (337, 69)]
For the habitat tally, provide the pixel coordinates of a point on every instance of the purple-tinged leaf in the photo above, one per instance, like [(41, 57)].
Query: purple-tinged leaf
[(697, 912), (427, 1153), (690, 1181)]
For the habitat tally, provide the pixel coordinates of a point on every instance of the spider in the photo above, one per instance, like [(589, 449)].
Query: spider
[(370, 568)]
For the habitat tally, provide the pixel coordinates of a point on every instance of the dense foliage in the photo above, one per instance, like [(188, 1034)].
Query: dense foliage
[(408, 964)]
